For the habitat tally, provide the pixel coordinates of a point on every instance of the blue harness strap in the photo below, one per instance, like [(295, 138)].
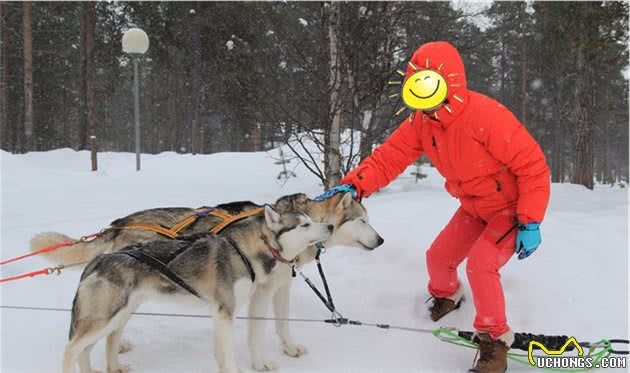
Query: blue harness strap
[(204, 212)]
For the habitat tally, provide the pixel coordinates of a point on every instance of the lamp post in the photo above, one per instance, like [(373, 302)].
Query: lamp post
[(135, 42)]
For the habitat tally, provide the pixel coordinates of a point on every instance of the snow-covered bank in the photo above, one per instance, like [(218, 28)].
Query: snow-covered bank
[(576, 283)]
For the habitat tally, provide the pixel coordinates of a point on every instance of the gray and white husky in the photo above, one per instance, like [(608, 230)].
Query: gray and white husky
[(348, 216), (217, 267), (351, 228)]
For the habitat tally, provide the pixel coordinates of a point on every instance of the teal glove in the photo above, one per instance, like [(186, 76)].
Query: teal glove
[(527, 239), (343, 188)]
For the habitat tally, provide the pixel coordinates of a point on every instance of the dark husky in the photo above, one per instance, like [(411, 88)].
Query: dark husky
[(218, 268), (347, 215)]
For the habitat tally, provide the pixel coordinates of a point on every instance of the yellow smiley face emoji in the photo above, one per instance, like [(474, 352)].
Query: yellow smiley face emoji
[(424, 90)]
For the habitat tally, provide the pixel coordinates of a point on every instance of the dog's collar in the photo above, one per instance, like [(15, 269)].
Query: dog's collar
[(275, 253)]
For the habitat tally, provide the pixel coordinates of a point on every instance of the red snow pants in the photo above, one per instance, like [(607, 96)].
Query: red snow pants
[(466, 236)]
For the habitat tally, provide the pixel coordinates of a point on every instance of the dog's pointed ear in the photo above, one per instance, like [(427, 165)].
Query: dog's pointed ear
[(291, 203), (272, 217), (346, 200)]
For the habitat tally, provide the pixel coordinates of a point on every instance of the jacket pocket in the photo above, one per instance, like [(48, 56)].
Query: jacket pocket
[(506, 186)]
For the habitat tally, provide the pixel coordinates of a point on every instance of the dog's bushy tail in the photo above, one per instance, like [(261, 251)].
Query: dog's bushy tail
[(76, 253)]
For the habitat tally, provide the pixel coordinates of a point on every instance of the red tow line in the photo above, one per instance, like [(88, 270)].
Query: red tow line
[(49, 270), (45, 271)]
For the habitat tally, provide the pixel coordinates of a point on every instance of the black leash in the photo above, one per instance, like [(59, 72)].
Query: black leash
[(506, 233), (337, 319), (156, 264), (320, 268)]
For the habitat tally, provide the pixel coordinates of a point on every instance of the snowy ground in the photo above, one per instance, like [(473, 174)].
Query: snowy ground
[(576, 284)]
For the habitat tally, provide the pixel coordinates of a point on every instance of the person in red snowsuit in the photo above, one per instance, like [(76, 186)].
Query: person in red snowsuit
[(499, 174)]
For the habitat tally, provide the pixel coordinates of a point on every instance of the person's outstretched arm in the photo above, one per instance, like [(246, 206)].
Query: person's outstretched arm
[(387, 161)]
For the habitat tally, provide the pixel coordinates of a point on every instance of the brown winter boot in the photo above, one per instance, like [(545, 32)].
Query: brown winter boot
[(492, 353), (443, 306)]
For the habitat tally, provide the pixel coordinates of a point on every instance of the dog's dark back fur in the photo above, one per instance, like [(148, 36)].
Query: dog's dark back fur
[(169, 216)]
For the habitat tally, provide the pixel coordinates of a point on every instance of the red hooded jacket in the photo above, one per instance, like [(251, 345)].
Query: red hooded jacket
[(488, 158)]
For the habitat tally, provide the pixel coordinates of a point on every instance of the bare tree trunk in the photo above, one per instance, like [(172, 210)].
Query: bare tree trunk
[(584, 105), (171, 141), (28, 77), (523, 65), (83, 121), (153, 117), (65, 132), (197, 134), (606, 176), (523, 80), (202, 140), (333, 140), (503, 70), (364, 120), (557, 142), (197, 84), (5, 126), (90, 76), (257, 143), (584, 141), (193, 131), (365, 117), (179, 117), (365, 148)]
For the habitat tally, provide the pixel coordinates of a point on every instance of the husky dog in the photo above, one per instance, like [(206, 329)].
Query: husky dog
[(351, 228), (222, 269)]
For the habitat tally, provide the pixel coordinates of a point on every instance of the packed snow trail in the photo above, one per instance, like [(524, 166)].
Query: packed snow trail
[(575, 284)]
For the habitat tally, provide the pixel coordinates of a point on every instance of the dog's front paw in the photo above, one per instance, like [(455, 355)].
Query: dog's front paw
[(294, 350), (125, 346), (119, 369), (264, 366)]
